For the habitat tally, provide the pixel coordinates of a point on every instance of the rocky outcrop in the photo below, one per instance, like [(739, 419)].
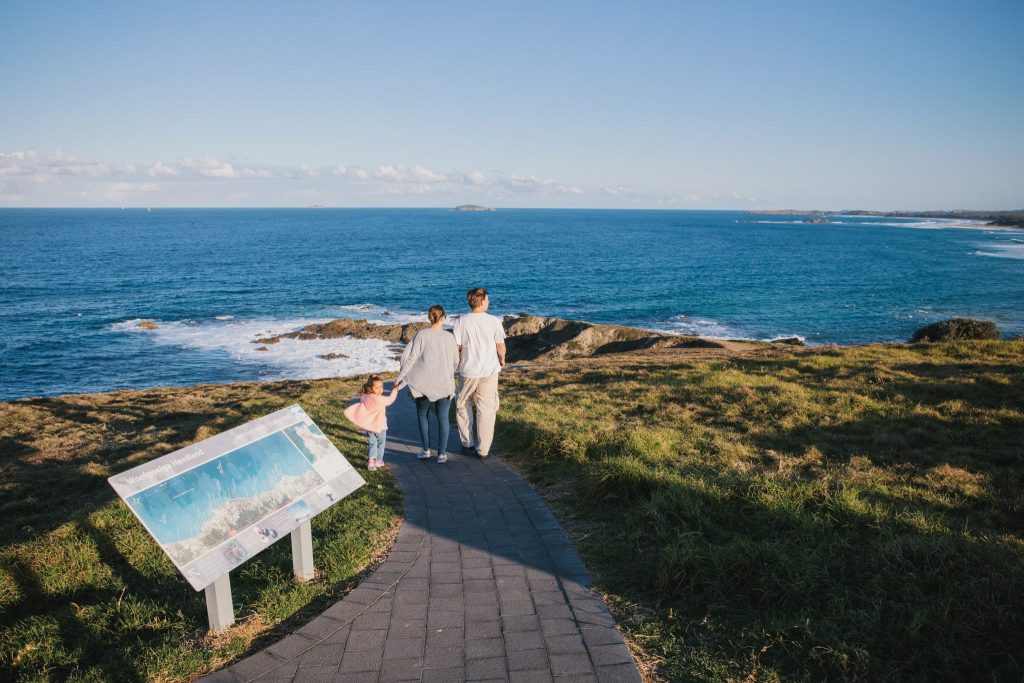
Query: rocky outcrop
[(148, 325), (789, 341), (348, 327), (472, 207), (333, 356), (532, 337), (815, 220), (956, 329), (528, 337)]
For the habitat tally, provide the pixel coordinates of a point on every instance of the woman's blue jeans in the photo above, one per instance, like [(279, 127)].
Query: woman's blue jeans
[(440, 406)]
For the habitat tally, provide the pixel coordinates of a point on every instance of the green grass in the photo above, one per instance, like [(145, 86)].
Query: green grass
[(87, 595), (842, 514)]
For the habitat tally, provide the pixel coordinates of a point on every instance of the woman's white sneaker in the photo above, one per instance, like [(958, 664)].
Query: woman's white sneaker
[(442, 458), (425, 455)]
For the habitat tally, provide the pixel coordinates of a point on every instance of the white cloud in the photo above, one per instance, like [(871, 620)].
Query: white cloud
[(350, 173), (308, 171), (29, 163), (619, 191), (400, 174), (474, 178), (162, 169), (532, 183), (210, 167)]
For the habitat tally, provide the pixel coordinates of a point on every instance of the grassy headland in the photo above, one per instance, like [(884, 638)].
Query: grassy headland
[(87, 595), (838, 514)]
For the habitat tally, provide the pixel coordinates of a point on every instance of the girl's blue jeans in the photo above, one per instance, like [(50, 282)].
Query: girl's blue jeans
[(440, 406), (376, 442)]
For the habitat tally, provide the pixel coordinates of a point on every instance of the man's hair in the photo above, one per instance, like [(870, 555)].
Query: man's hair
[(435, 313), (476, 296)]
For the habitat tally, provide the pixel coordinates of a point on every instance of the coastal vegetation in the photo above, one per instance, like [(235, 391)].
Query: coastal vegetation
[(793, 515), (87, 595), (752, 511)]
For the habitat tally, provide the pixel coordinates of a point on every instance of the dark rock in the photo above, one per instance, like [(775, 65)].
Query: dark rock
[(789, 341), (956, 329), (348, 327), (815, 220), (333, 356), (531, 337), (262, 348)]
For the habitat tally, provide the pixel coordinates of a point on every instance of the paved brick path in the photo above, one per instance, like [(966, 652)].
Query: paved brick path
[(481, 585)]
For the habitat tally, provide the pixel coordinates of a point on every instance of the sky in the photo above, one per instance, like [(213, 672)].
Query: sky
[(686, 105)]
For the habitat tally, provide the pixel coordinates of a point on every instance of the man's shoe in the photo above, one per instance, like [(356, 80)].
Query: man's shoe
[(442, 458), (424, 455), (468, 450)]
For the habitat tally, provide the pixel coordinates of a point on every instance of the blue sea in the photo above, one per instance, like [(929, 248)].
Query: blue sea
[(75, 284)]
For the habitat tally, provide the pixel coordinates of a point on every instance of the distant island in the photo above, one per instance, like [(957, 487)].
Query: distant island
[(1014, 219), (472, 207)]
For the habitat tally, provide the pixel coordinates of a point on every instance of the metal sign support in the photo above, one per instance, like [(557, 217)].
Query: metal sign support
[(302, 552), (218, 604)]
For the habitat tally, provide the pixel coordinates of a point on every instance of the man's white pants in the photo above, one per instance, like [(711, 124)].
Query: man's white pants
[(483, 393)]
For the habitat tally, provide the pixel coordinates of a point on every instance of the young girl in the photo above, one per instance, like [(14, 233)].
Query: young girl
[(369, 414)]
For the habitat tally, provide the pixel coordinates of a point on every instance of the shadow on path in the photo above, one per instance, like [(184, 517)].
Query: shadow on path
[(482, 584)]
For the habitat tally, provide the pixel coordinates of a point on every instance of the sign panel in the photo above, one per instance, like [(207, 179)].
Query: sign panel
[(216, 503)]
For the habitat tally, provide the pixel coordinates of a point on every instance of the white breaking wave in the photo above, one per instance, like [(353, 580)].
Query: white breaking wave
[(700, 327), (375, 314), (1013, 251), (288, 359), (936, 224)]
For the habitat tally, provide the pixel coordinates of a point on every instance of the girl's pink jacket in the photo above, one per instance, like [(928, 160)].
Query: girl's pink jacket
[(369, 413)]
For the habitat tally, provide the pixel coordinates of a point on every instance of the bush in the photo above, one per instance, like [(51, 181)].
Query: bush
[(956, 329)]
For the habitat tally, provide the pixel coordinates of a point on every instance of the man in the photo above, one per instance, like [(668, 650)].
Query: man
[(481, 340)]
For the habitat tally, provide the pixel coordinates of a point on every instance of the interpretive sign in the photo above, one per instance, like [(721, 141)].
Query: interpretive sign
[(216, 503)]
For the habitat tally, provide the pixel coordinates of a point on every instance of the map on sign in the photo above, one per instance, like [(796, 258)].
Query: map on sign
[(216, 503)]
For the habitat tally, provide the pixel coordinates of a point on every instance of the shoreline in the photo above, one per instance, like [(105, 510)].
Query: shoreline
[(530, 339)]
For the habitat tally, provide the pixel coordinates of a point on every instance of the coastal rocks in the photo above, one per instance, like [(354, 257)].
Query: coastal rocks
[(533, 337), (527, 337), (789, 341), (815, 220), (348, 327), (262, 348), (148, 325), (956, 329), (472, 207)]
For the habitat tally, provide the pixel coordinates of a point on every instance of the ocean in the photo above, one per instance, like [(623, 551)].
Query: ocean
[(75, 283)]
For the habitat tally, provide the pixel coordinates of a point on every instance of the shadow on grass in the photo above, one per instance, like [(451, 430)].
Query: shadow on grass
[(833, 587)]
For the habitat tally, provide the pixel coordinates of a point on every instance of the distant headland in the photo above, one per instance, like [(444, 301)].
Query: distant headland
[(472, 207), (1014, 219)]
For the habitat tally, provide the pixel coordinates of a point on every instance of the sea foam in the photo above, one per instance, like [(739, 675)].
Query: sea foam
[(287, 359)]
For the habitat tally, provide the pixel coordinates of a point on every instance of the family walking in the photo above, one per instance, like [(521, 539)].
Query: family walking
[(475, 349)]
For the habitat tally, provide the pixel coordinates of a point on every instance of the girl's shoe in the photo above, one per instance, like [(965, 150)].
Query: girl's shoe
[(442, 458), (425, 454), (372, 466)]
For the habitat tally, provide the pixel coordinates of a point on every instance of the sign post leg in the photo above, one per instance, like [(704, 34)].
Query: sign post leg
[(302, 552), (218, 604)]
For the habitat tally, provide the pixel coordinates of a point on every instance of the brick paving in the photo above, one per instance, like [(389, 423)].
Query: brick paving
[(482, 585)]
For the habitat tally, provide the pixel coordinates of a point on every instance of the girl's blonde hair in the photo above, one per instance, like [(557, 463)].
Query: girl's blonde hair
[(367, 387), (435, 313)]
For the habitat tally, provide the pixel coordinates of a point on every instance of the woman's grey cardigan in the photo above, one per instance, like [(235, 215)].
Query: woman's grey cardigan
[(429, 363)]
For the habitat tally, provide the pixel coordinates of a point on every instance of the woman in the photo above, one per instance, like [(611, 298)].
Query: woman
[(428, 367)]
